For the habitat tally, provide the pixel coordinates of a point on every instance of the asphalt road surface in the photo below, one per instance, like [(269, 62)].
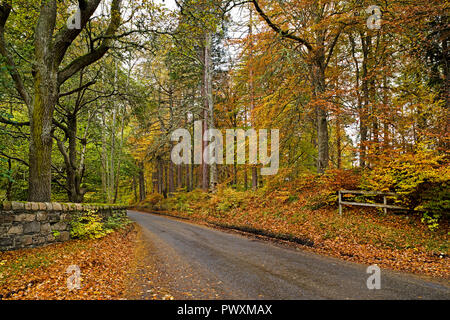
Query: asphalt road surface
[(197, 262)]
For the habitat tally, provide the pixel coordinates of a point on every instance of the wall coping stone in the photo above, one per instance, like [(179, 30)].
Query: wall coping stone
[(56, 206)]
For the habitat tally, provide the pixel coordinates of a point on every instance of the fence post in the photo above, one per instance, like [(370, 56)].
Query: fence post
[(385, 203), (340, 205)]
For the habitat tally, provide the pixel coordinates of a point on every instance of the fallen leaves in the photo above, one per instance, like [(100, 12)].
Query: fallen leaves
[(144, 281), (398, 242), (41, 273)]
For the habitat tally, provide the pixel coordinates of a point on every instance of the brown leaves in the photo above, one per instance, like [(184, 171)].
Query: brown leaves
[(40, 274), (398, 242)]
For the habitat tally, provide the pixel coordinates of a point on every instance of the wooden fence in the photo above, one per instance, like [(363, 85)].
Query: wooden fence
[(383, 205)]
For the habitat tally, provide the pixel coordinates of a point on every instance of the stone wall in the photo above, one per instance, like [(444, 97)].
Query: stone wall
[(31, 224)]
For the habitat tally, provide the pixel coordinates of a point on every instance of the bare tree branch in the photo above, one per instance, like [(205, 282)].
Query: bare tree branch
[(14, 123), (277, 29), (14, 158), (95, 55), (85, 86), (5, 10), (66, 36)]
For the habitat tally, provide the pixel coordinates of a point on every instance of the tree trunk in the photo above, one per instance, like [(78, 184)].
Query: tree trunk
[(171, 178), (104, 157), (160, 175), (338, 143), (41, 121), (142, 192), (235, 174), (112, 154), (363, 127), (318, 73), (209, 104), (179, 176), (252, 92), (135, 189), (187, 180), (254, 178), (10, 182), (166, 180), (386, 112), (205, 184), (74, 170)]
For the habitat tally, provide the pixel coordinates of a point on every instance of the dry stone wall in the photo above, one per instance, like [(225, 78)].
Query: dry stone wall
[(32, 224)]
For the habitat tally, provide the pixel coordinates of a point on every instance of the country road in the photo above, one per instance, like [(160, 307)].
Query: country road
[(197, 262)]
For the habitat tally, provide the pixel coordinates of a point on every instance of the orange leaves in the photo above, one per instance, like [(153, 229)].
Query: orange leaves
[(362, 235), (38, 274)]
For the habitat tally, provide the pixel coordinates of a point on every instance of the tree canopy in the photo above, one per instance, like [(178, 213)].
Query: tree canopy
[(87, 111)]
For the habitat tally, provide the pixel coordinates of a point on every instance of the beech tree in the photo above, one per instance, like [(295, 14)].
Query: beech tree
[(318, 41)]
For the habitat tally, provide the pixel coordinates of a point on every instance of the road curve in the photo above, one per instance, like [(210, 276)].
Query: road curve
[(203, 263)]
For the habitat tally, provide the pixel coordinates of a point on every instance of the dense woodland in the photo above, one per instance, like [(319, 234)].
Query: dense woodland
[(86, 114)]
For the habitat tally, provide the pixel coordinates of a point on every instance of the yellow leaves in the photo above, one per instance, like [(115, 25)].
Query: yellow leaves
[(282, 196), (282, 199), (408, 170), (151, 200)]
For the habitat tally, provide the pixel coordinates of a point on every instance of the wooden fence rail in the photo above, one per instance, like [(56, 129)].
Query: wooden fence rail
[(383, 205)]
